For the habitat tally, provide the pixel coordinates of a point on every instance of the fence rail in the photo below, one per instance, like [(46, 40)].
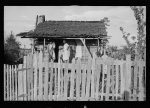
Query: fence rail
[(99, 79)]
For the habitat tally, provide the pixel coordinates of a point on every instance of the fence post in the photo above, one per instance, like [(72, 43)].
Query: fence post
[(4, 82), (92, 77), (24, 78), (40, 97), (128, 77), (16, 86), (10, 71), (8, 75), (20, 86), (72, 79)]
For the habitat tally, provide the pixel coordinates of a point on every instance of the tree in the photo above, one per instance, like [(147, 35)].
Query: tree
[(141, 37), (140, 47), (11, 50)]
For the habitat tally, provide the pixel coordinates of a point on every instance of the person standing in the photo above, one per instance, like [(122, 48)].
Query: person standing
[(66, 53), (51, 52)]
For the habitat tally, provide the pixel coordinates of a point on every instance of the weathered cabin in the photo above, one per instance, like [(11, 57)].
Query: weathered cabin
[(91, 34)]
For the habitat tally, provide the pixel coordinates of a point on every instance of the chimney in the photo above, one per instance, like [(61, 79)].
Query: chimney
[(40, 19)]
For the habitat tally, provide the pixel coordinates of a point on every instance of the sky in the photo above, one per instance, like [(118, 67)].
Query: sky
[(22, 18)]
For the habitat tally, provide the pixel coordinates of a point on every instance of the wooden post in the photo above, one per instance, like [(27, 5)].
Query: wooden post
[(108, 82), (98, 72), (35, 76), (51, 80), (12, 83), (40, 97), (4, 82), (44, 48), (141, 89), (8, 75), (16, 87), (58, 95), (24, 78), (66, 81), (92, 76), (10, 71), (128, 75), (20, 86), (83, 82), (117, 78), (46, 81), (88, 79)]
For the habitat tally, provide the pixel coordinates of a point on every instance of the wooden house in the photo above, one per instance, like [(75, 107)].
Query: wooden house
[(90, 33)]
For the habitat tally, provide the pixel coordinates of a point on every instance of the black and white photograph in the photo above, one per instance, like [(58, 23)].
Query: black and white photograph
[(74, 53)]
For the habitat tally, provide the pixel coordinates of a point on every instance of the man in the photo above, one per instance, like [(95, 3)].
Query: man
[(51, 52), (66, 52)]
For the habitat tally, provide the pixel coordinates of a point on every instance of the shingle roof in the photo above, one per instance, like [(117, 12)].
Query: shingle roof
[(68, 29)]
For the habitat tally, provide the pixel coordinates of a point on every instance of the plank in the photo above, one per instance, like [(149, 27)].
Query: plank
[(78, 80), (58, 95), (113, 82), (4, 82), (72, 80), (55, 82), (117, 80), (65, 81), (31, 78), (83, 82), (40, 97), (28, 80), (61, 80), (103, 80), (16, 83), (46, 81), (88, 80), (141, 89), (10, 81), (51, 80), (98, 71), (92, 77), (128, 75), (20, 86), (135, 81), (122, 87), (35, 65), (108, 82)]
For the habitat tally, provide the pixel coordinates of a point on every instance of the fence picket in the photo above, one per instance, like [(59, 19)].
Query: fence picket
[(117, 80), (108, 82), (16, 83), (92, 77), (88, 80), (20, 87), (51, 80), (83, 82), (35, 76), (98, 72), (40, 97), (12, 82), (46, 81), (4, 82)]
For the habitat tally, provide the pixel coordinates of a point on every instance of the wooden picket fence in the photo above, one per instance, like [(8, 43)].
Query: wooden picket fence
[(101, 80)]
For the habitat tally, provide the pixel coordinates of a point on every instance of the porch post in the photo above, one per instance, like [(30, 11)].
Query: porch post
[(44, 47)]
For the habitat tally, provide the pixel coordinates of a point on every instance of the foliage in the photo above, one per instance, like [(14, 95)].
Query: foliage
[(141, 37), (11, 50)]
